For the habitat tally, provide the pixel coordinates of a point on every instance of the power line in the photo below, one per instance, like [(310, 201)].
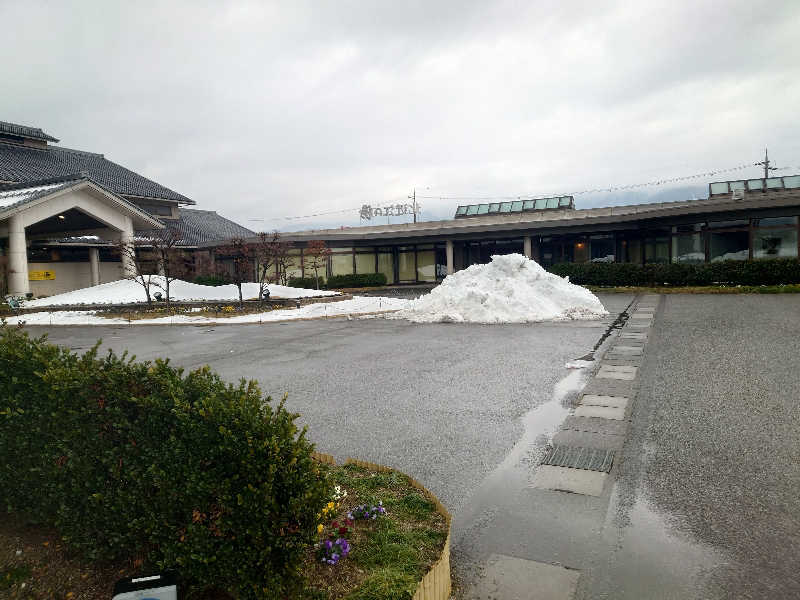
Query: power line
[(597, 190)]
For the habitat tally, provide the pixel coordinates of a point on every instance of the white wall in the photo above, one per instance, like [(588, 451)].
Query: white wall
[(69, 276)]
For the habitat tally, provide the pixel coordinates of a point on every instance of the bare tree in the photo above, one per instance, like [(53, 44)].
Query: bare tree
[(272, 257), (318, 252), (140, 257), (240, 254), (171, 260)]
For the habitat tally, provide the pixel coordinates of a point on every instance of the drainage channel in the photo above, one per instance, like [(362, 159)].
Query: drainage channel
[(568, 465)]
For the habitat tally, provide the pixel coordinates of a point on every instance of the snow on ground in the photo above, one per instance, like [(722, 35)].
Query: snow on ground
[(510, 289), (125, 291), (359, 305)]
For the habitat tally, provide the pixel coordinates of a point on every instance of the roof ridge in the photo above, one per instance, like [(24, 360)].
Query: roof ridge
[(39, 182)]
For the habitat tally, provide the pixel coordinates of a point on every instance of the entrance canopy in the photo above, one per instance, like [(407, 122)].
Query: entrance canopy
[(63, 207)]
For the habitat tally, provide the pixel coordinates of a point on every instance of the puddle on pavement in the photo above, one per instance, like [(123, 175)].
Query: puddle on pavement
[(540, 424), (655, 561)]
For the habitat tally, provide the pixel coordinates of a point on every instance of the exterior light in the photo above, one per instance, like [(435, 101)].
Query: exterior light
[(579, 245), (61, 217)]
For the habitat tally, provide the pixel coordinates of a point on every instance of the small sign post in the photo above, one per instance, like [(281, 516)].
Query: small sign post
[(153, 587)]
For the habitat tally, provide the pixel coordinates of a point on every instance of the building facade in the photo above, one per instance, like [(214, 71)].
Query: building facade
[(63, 213), (740, 220)]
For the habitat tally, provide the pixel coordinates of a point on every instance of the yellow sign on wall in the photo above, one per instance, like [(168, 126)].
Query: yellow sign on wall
[(41, 275)]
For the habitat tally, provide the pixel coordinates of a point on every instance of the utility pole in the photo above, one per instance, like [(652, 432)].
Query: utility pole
[(765, 162), (413, 198)]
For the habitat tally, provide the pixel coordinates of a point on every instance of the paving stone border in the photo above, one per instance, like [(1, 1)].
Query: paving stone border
[(436, 584), (601, 418)]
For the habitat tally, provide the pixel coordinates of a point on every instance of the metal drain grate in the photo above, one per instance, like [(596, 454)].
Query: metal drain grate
[(575, 457)]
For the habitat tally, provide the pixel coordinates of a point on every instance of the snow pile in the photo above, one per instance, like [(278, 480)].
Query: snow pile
[(125, 291), (510, 289)]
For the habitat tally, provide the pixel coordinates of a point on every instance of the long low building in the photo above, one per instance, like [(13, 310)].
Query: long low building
[(740, 220)]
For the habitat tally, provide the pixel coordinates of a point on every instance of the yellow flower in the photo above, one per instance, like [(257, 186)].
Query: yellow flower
[(320, 528)]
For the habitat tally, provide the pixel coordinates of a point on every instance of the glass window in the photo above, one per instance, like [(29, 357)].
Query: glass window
[(516, 206), (386, 266), (730, 245), (791, 182), (719, 188), (461, 210), (581, 251), (494, 207), (293, 262), (507, 247), (755, 185), (774, 183), (472, 209), (541, 203), (565, 201), (341, 249), (426, 265), (342, 264), (688, 249), (775, 243), (552, 203), (737, 185), (483, 209), (528, 204), (365, 263), (406, 270), (505, 207), (772, 221), (602, 248), (656, 250), (688, 228), (727, 224)]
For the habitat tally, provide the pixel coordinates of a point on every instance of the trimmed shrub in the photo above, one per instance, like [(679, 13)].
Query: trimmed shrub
[(306, 282), (729, 272), (354, 281), (131, 459), (214, 280)]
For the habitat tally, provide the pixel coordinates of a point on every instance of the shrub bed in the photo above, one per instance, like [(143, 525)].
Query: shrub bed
[(730, 272), (129, 458), (355, 281), (308, 283), (214, 280)]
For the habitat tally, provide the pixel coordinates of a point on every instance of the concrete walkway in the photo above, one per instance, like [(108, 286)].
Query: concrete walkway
[(675, 474)]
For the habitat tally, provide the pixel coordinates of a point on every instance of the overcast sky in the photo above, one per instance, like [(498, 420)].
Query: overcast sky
[(266, 110)]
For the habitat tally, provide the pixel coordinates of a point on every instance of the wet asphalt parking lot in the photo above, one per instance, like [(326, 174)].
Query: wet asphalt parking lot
[(704, 502)]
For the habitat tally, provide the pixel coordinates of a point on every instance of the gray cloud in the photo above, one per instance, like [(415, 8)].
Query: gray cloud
[(274, 109)]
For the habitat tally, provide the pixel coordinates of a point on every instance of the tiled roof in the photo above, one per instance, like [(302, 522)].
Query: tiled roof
[(25, 163), (25, 132), (199, 226), (11, 196), (15, 194)]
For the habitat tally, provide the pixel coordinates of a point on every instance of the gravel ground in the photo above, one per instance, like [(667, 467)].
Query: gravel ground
[(707, 503)]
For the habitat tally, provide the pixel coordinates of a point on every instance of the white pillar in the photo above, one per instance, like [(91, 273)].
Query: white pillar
[(526, 246), (449, 252), (17, 258), (94, 265), (126, 238)]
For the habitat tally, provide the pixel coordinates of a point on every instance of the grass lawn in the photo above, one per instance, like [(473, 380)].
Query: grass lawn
[(388, 557)]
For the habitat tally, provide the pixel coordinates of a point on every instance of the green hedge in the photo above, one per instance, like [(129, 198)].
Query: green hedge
[(131, 459), (306, 282), (214, 280), (730, 272), (354, 281)]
